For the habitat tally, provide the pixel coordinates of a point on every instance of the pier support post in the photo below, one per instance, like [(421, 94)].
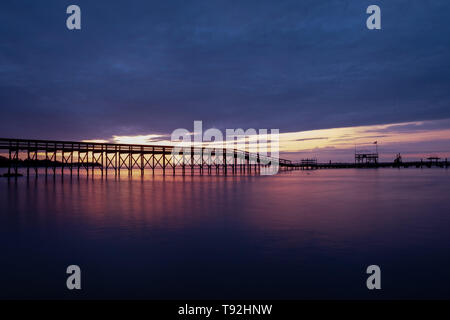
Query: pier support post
[(71, 160), (142, 161), (164, 160), (28, 159), (46, 159)]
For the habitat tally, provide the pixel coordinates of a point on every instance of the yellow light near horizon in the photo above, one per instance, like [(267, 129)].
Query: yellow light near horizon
[(347, 137), (139, 139), (335, 138)]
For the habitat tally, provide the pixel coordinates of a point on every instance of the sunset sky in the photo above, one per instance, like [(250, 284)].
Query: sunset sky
[(137, 70)]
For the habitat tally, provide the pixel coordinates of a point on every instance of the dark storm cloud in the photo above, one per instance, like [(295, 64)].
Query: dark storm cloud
[(140, 67)]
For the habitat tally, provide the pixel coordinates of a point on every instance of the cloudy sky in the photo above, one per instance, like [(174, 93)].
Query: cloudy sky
[(150, 67)]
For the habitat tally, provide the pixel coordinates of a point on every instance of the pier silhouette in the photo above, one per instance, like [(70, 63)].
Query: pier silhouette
[(88, 156), (75, 156)]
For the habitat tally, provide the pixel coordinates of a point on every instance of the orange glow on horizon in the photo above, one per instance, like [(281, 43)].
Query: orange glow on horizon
[(347, 137), (316, 141)]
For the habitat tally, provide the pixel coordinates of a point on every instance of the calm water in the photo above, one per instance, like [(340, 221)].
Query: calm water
[(294, 235)]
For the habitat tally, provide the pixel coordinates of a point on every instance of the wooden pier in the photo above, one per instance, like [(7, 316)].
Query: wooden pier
[(86, 156), (307, 164), (74, 157), (411, 164)]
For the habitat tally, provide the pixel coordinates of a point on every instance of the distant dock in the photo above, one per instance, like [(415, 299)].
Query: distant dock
[(371, 160), (76, 156), (410, 164)]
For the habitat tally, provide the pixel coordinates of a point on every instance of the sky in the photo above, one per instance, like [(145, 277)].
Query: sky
[(308, 68)]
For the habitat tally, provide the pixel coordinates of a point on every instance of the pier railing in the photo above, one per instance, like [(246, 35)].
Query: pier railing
[(88, 156), (75, 155)]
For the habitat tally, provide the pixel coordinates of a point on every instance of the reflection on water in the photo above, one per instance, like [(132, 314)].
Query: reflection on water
[(293, 235)]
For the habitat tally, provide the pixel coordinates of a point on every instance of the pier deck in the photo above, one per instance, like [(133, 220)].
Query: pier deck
[(72, 155)]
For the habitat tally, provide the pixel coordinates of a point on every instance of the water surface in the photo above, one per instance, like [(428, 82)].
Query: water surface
[(294, 235)]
